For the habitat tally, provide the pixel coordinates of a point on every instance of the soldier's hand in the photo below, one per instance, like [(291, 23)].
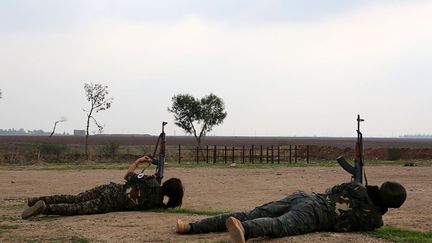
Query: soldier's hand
[(145, 158)]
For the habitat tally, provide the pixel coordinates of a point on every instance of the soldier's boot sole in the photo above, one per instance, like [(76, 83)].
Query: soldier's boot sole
[(31, 201), (34, 210), (236, 230)]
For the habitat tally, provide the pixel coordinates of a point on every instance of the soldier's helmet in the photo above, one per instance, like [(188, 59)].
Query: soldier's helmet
[(392, 194)]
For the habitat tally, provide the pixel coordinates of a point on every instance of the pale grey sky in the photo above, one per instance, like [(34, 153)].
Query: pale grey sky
[(283, 67)]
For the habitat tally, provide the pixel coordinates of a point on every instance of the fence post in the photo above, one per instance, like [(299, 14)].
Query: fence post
[(214, 155), (267, 154), (261, 154), (307, 154), (272, 152), (243, 154), (179, 156), (207, 154), (290, 155), (252, 155), (278, 154), (233, 156), (225, 154), (295, 154)]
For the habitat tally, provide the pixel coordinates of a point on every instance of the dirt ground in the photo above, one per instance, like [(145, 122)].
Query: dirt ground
[(211, 189)]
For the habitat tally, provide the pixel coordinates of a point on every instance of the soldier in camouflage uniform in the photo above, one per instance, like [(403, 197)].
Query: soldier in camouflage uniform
[(140, 192), (346, 207)]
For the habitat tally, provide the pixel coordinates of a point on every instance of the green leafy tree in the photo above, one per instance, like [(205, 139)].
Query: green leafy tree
[(97, 95), (197, 116)]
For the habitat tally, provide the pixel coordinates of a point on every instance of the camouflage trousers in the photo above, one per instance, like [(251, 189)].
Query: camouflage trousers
[(296, 214), (101, 199)]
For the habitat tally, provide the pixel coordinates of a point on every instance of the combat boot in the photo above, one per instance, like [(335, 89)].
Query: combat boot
[(183, 227), (34, 210), (236, 230), (32, 200)]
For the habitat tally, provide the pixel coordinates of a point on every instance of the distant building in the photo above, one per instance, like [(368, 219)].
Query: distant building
[(79, 133)]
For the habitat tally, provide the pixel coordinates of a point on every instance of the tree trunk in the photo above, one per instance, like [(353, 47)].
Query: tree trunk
[(87, 136), (52, 133), (198, 139)]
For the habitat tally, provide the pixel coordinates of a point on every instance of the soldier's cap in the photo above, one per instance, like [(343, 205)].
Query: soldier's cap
[(392, 194)]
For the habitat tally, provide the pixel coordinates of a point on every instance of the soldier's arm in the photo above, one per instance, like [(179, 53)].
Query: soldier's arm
[(135, 164), (362, 214), (335, 189), (359, 219), (341, 187)]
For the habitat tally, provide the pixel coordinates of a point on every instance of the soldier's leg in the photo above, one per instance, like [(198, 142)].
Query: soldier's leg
[(272, 209), (306, 217), (88, 207), (91, 194)]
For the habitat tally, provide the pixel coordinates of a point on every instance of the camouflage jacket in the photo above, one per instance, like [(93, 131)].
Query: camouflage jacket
[(354, 209), (142, 192)]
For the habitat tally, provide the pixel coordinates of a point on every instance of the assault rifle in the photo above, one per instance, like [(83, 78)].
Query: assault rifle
[(160, 161), (357, 170)]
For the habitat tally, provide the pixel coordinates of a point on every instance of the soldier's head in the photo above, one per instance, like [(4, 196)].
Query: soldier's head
[(392, 194), (173, 188)]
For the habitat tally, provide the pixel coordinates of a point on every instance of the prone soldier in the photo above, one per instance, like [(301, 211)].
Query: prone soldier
[(342, 208), (140, 192)]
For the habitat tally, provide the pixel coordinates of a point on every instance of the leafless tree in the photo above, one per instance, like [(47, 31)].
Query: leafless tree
[(97, 95), (62, 119)]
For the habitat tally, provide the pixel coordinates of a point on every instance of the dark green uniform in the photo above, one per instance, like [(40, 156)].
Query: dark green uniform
[(140, 192), (346, 207)]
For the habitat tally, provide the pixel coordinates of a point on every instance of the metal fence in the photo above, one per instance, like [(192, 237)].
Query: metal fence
[(242, 154), (175, 153)]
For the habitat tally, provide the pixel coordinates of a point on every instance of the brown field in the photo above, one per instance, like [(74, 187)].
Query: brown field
[(210, 189), (340, 142), (25, 148)]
